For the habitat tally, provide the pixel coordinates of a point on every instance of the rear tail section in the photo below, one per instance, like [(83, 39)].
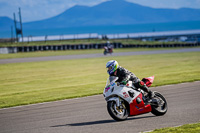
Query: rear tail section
[(148, 81)]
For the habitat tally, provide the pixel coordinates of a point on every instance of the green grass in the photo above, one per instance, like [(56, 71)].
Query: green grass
[(49, 53), (72, 52), (84, 41), (41, 43), (188, 128), (35, 82)]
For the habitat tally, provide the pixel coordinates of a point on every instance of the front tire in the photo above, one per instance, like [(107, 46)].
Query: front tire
[(104, 52), (161, 108), (116, 113)]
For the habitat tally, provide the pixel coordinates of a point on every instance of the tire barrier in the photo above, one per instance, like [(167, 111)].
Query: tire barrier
[(6, 50), (162, 45), (64, 47)]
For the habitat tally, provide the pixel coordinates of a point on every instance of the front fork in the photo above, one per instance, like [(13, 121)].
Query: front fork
[(119, 102)]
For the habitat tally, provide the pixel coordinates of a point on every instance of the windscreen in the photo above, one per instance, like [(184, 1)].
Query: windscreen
[(111, 79)]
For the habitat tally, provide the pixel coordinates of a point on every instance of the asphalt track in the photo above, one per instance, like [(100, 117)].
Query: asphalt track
[(67, 57), (89, 114)]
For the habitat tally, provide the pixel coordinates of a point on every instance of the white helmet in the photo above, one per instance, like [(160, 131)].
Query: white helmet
[(112, 66)]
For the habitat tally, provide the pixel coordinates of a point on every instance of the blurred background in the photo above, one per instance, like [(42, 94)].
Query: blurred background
[(35, 20)]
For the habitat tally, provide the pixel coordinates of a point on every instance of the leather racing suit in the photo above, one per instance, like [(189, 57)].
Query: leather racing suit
[(124, 76)]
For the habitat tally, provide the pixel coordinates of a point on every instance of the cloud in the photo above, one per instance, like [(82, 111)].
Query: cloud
[(168, 3)]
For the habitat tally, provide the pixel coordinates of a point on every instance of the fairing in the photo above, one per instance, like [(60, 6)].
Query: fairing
[(148, 81), (139, 108)]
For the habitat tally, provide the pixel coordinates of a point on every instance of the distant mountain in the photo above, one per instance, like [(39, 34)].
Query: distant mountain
[(115, 12), (6, 23)]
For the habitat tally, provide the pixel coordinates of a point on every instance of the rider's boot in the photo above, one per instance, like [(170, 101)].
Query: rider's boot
[(146, 89), (150, 94)]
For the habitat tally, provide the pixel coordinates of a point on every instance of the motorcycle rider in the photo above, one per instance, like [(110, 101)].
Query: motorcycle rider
[(113, 69), (110, 47)]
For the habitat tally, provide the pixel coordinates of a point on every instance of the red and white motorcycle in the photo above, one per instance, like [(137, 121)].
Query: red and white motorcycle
[(127, 100)]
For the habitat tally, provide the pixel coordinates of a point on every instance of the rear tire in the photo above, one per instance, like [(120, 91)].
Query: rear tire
[(161, 109), (117, 114)]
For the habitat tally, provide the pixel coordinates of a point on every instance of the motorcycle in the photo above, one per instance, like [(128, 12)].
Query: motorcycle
[(108, 50), (127, 100)]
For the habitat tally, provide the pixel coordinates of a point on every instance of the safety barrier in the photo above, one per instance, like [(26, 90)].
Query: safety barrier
[(162, 45), (64, 47), (6, 50)]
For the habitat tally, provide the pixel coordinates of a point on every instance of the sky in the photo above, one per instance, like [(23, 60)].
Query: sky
[(33, 10)]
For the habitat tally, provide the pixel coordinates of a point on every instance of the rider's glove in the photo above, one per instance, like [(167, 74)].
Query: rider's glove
[(124, 82)]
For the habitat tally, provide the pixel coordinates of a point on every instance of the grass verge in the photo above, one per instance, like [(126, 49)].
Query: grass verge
[(72, 52), (35, 82), (188, 128), (84, 41)]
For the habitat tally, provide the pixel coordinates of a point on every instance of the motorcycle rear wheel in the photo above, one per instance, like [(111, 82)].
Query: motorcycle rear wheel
[(161, 108), (118, 114)]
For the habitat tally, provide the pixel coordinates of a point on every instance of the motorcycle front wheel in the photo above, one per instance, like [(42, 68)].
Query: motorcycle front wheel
[(117, 113), (104, 52), (161, 107)]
